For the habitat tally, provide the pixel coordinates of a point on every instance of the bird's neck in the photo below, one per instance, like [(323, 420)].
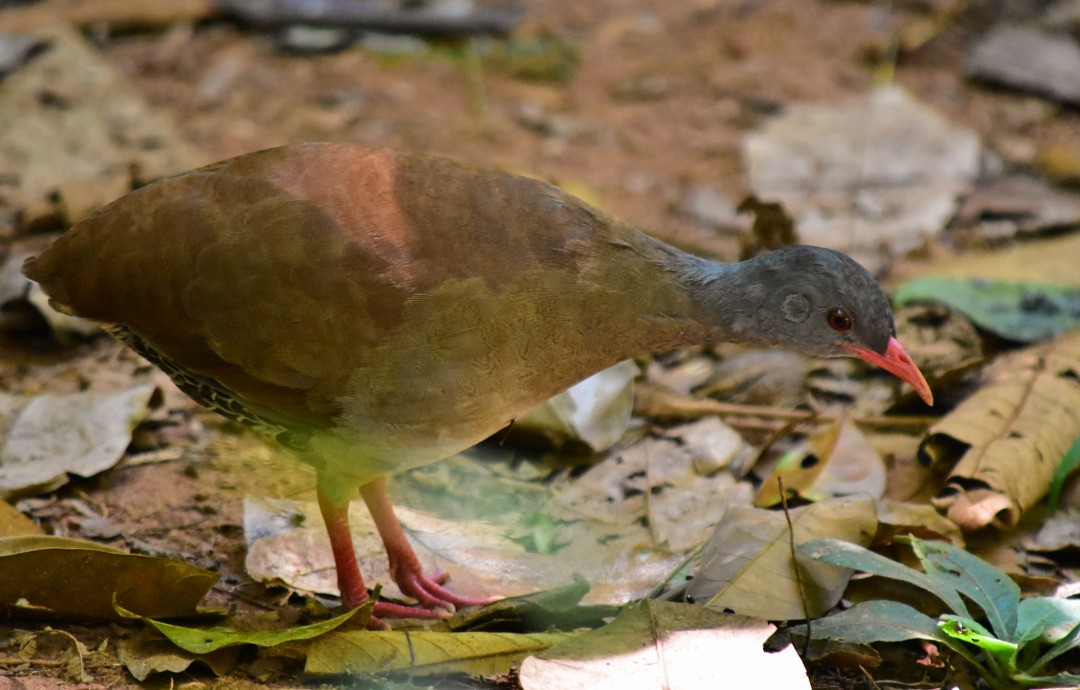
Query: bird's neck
[(706, 301)]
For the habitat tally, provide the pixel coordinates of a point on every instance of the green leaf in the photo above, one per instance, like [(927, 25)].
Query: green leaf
[(1067, 643), (992, 590), (206, 640), (878, 620), (1026, 312), (885, 621), (1003, 651), (1061, 680), (1047, 618), (847, 555)]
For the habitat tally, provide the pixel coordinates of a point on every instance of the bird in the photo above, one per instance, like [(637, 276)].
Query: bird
[(375, 310)]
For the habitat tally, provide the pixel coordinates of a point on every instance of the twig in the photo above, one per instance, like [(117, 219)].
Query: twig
[(795, 565), (660, 404), (10, 661), (776, 434)]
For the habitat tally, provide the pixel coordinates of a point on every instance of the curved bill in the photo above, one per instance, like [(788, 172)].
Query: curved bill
[(896, 361)]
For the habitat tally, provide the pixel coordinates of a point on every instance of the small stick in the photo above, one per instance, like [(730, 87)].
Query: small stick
[(795, 565)]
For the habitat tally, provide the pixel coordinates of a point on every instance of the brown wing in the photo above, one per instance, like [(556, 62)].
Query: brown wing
[(274, 273)]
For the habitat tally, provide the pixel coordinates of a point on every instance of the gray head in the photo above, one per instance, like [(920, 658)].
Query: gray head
[(809, 299)]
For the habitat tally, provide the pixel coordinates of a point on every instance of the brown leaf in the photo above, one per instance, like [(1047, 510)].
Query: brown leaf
[(149, 652), (835, 461), (71, 578), (899, 518), (746, 567), (13, 523), (1010, 435)]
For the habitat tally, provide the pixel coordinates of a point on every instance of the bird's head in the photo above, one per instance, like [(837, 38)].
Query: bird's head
[(818, 301)]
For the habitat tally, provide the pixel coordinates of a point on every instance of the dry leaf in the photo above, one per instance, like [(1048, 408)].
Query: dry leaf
[(1010, 435), (595, 411), (13, 523), (836, 460), (657, 481), (49, 436), (815, 157), (423, 652), (72, 578), (149, 652), (898, 518), (98, 135), (746, 567), (288, 543), (659, 644)]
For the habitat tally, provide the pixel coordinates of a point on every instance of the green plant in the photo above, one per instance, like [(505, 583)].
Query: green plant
[(1010, 644)]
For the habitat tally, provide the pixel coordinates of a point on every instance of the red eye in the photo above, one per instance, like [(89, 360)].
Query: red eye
[(840, 320)]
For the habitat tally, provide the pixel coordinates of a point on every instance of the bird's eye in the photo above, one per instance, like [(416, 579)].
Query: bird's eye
[(840, 320)]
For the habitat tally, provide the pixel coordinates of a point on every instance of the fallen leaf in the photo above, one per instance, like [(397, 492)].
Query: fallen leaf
[(49, 436), (747, 565), (655, 480), (1052, 260), (1022, 203), (149, 652), (288, 543), (657, 644), (712, 444), (1059, 532), (70, 578), (207, 640), (760, 377), (1009, 436), (422, 652), (58, 646), (595, 411), (98, 135), (884, 171), (13, 523), (1024, 312), (897, 518), (836, 460)]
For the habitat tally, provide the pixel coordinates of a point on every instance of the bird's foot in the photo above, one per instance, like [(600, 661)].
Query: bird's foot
[(434, 601), (430, 593)]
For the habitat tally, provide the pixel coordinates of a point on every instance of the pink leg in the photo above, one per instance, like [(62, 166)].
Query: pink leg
[(405, 567), (351, 583)]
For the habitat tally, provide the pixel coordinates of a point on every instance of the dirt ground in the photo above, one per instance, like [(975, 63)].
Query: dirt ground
[(659, 101)]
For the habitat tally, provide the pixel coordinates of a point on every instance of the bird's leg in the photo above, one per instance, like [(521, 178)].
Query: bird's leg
[(350, 581), (405, 567), (354, 593)]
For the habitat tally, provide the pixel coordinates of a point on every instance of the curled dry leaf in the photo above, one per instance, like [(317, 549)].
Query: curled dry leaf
[(1009, 436)]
